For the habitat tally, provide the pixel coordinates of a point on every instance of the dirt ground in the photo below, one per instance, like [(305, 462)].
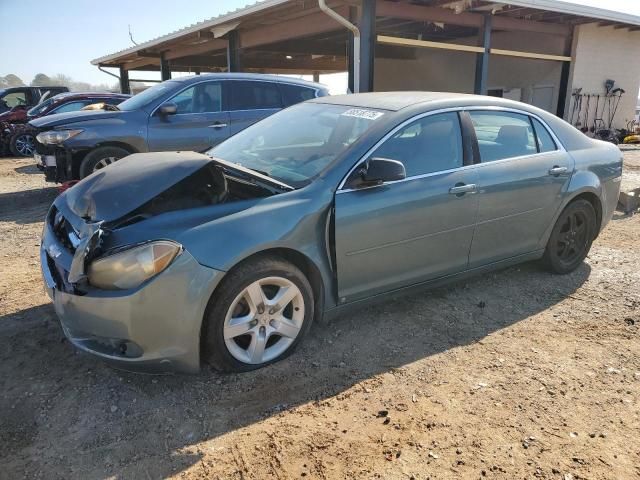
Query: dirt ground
[(514, 374)]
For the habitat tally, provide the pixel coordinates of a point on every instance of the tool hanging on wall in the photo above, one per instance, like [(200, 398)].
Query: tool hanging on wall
[(616, 95), (577, 106), (595, 115), (585, 119)]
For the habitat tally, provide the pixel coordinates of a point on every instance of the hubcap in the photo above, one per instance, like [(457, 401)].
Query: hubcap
[(24, 145), (104, 163), (264, 320), (572, 238)]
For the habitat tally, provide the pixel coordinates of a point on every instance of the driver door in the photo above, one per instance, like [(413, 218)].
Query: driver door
[(412, 230), (199, 123)]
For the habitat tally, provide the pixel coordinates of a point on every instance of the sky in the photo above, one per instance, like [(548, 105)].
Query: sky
[(66, 38)]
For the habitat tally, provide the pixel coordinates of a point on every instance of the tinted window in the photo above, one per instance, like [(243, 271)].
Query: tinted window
[(503, 135), (201, 98), (147, 96), (69, 107), (254, 95), (431, 144), (292, 94), (41, 107), (545, 142)]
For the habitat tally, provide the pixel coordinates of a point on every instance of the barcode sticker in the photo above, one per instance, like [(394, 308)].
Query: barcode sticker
[(362, 113)]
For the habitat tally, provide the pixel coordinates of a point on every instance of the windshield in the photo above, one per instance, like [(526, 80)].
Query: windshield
[(296, 144), (40, 108), (146, 96)]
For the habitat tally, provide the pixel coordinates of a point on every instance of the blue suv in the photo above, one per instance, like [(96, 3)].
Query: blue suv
[(190, 113)]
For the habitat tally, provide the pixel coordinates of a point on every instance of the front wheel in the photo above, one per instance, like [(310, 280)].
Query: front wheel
[(22, 145), (571, 237), (258, 315), (100, 158)]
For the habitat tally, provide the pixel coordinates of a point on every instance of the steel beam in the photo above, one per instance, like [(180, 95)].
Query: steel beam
[(367, 27), (563, 95), (124, 81), (482, 59), (233, 52), (165, 70)]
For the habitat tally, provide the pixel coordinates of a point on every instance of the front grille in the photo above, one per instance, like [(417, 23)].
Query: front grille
[(43, 149)]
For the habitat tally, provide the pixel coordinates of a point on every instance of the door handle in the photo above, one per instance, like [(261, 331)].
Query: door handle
[(556, 170), (218, 125), (461, 188)]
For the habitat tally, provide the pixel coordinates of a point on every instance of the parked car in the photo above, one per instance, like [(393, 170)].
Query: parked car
[(190, 113), (165, 259), (19, 98), (18, 137)]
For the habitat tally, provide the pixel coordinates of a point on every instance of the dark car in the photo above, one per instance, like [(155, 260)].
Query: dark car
[(18, 137), (190, 113), (18, 98)]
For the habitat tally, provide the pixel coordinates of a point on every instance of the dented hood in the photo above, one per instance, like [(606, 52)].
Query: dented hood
[(123, 186)]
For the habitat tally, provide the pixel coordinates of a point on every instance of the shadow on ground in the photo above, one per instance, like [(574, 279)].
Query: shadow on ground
[(27, 206), (28, 170), (111, 423)]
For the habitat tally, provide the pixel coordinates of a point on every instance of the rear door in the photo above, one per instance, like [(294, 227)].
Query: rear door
[(252, 101), (199, 123), (409, 231), (522, 175)]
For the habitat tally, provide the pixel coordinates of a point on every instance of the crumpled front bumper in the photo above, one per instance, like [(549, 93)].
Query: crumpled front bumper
[(154, 328)]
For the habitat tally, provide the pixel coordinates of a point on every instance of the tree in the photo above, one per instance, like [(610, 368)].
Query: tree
[(11, 80), (40, 80)]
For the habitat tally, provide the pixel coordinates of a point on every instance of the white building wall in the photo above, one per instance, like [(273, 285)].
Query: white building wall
[(602, 53)]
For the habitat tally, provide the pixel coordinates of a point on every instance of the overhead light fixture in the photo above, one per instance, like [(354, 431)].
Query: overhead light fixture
[(288, 57)]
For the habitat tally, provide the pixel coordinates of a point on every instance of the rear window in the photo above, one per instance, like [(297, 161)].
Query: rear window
[(545, 142), (249, 95), (292, 94), (503, 135)]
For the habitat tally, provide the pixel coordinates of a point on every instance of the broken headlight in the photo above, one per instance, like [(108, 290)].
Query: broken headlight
[(55, 137), (129, 268)]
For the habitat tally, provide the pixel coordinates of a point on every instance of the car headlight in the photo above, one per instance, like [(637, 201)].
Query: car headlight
[(55, 137), (129, 268)]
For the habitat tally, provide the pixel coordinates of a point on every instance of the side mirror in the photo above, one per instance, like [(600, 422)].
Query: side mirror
[(376, 172), (168, 108)]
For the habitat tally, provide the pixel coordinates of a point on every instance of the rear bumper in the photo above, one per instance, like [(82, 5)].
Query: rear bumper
[(154, 328)]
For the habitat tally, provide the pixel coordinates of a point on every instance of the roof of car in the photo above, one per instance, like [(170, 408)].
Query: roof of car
[(246, 76), (395, 101), (89, 94)]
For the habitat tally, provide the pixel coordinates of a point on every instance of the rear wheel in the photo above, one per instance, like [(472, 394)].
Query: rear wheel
[(100, 158), (571, 237), (258, 315), (22, 144)]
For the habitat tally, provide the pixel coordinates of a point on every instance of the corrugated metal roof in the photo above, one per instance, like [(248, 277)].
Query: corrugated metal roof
[(577, 9), (209, 23), (549, 5)]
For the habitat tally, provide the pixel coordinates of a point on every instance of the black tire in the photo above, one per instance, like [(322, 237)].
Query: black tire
[(214, 348), (571, 237), (94, 159), (17, 148)]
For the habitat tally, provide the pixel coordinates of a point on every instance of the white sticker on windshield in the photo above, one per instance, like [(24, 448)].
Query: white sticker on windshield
[(362, 113)]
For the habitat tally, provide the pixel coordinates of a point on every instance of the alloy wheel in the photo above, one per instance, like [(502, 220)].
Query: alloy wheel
[(25, 145), (264, 320), (572, 238), (105, 162)]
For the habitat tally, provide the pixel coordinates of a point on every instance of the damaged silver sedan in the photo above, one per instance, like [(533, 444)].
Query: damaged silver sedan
[(162, 261)]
